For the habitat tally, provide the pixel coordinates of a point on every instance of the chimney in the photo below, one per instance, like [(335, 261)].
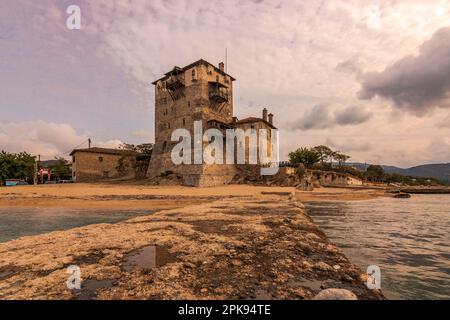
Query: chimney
[(264, 116), (222, 66), (270, 118)]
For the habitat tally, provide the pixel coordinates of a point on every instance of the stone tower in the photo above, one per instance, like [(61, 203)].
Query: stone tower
[(199, 91)]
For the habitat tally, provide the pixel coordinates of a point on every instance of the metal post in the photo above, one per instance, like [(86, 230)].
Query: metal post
[(35, 172)]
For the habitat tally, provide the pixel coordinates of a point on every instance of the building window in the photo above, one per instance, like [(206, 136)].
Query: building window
[(217, 78), (193, 74), (184, 122), (73, 159), (100, 159), (164, 146), (189, 104)]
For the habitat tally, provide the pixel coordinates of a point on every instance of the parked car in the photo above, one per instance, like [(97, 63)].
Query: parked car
[(65, 181), (15, 182)]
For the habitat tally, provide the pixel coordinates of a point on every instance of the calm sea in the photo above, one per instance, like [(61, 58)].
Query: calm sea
[(18, 222), (409, 239)]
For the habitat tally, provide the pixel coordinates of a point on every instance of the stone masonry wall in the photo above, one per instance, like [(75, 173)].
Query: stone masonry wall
[(88, 167)]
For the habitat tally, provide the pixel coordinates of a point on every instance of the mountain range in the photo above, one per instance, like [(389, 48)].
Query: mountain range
[(440, 171)]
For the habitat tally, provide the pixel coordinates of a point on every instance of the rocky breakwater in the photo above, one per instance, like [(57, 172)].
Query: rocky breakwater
[(255, 247)]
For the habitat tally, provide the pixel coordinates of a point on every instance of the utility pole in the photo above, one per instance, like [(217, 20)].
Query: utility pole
[(226, 60), (89, 142), (38, 165)]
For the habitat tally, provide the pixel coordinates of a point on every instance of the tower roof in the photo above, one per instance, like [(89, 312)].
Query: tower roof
[(177, 70)]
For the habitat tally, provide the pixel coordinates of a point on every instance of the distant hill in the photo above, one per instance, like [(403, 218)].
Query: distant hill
[(440, 171)]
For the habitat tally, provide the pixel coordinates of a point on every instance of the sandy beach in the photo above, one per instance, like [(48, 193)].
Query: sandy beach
[(144, 196)]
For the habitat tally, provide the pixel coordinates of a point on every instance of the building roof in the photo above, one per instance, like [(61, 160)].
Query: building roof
[(254, 120), (50, 163), (198, 62), (105, 151)]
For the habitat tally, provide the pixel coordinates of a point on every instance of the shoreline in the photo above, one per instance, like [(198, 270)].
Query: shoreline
[(236, 243)]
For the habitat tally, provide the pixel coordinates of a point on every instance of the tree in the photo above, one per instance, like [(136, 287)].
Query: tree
[(324, 152), (144, 148), (16, 166), (374, 173), (341, 158), (307, 157), (61, 169), (140, 163)]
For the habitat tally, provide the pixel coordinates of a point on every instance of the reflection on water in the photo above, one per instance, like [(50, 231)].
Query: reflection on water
[(408, 238), (18, 222)]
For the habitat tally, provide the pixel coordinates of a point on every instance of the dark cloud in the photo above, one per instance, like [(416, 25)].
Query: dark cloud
[(415, 83), (352, 115), (322, 116), (319, 117), (352, 66)]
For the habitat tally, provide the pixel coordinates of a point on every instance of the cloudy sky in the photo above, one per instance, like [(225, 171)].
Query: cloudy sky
[(369, 78)]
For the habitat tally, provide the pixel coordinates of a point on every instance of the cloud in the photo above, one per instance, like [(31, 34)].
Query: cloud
[(45, 138), (352, 115), (445, 123), (351, 66), (143, 135), (322, 116), (349, 145), (318, 117), (417, 84)]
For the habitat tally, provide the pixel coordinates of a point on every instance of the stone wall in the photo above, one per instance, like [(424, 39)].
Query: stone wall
[(90, 166), (331, 178)]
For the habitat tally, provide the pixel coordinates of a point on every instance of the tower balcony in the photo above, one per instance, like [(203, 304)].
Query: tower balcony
[(218, 92), (218, 96), (175, 82)]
